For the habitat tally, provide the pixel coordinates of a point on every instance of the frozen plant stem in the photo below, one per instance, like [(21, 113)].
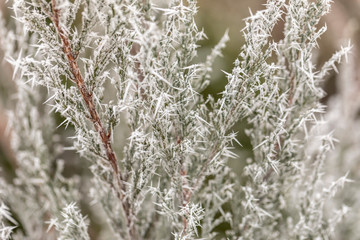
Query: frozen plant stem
[(94, 116)]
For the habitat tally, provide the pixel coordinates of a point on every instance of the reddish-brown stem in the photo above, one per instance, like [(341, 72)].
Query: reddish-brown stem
[(85, 93), (87, 96)]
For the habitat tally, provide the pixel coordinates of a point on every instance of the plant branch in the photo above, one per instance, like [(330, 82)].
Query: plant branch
[(94, 117), (85, 93)]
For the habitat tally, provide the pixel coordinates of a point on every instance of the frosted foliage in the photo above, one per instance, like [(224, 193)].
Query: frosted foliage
[(123, 76), (72, 224)]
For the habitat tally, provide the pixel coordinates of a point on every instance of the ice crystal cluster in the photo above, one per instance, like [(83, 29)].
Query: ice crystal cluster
[(122, 75)]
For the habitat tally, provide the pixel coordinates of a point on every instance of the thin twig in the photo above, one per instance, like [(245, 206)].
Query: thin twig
[(94, 117)]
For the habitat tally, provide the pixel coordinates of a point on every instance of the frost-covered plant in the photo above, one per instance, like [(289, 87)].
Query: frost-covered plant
[(5, 230), (72, 224), (110, 65), (39, 190), (343, 115), (285, 193)]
